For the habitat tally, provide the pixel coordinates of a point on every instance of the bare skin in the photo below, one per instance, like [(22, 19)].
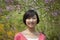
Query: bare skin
[(31, 34)]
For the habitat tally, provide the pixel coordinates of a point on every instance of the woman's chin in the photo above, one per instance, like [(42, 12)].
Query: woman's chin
[(31, 26)]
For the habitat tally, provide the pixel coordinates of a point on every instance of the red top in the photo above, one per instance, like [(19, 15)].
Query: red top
[(20, 36)]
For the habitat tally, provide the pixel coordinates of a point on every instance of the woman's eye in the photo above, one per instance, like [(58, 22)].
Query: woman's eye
[(34, 18), (28, 18)]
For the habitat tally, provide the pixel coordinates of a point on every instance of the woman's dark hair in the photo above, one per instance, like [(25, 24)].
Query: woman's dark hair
[(28, 14)]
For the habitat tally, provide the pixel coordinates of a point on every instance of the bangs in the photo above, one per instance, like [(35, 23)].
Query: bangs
[(28, 15)]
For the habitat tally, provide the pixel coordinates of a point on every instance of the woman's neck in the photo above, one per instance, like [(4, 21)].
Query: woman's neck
[(31, 30), (31, 33)]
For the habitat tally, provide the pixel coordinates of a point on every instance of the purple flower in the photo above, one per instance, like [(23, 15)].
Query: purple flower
[(55, 13), (10, 8), (9, 1), (47, 8), (25, 0), (48, 1), (18, 7), (1, 10)]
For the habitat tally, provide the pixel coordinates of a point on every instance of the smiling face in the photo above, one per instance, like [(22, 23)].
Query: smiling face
[(30, 18), (31, 21)]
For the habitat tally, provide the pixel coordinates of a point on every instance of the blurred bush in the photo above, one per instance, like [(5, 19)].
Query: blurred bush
[(11, 14)]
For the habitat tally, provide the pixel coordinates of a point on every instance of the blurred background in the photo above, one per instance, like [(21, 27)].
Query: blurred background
[(11, 14)]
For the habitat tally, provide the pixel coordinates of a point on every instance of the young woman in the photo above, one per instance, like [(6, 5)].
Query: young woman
[(30, 19)]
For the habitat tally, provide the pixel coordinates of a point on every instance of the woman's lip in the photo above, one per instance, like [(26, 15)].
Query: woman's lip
[(31, 23)]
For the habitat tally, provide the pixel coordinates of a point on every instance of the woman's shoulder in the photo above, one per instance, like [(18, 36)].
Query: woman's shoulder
[(42, 36), (18, 34)]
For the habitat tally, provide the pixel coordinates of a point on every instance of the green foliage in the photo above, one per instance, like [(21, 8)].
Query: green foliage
[(11, 14)]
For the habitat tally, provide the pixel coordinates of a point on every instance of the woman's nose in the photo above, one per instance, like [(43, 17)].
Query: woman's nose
[(31, 20)]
